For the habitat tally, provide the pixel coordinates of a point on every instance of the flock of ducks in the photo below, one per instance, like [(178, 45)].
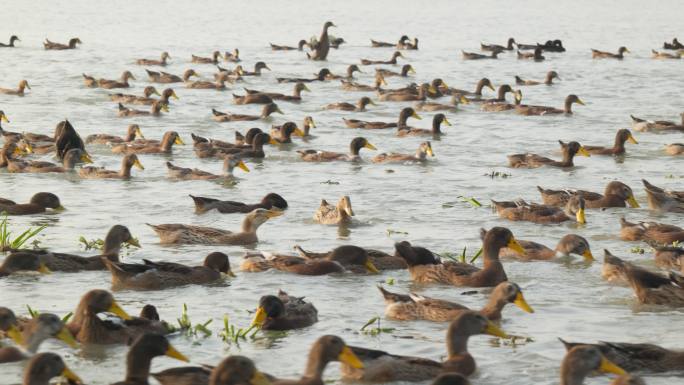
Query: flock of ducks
[(146, 333)]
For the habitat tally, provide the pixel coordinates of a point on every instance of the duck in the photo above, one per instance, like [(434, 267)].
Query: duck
[(164, 147), (322, 75), (543, 110), (408, 44), (621, 137), (266, 112), (180, 234), (378, 259), (669, 257), (665, 55), (207, 60), (533, 251), (252, 99), (9, 151), (38, 204), (379, 366), (32, 334), (548, 80), (540, 213), (300, 46), (128, 98), (421, 155), (155, 110), (88, 328), (499, 106), (132, 132), (307, 125), (406, 70), (219, 84), (481, 84), (644, 125), (636, 357), (127, 162), (529, 160), (13, 38), (43, 367), (674, 149), (285, 132), (295, 97), (339, 214), (256, 150), (425, 267), (163, 275), (392, 60), (22, 263), (346, 258), (477, 56), (500, 95), (349, 85), (321, 47), (456, 99), (270, 201), (16, 136), (423, 91), (258, 67), (596, 54), (553, 46), (328, 156), (139, 357), (404, 115), (495, 47), (19, 91), (615, 194), (49, 45), (233, 57), (343, 106), (69, 162), (416, 307), (229, 163), (165, 77), (436, 131), (663, 200), (121, 83), (154, 62), (581, 361), (284, 312), (674, 45), (382, 44), (536, 56), (658, 233)]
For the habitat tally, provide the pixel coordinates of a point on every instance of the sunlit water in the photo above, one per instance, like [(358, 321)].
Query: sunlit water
[(570, 300)]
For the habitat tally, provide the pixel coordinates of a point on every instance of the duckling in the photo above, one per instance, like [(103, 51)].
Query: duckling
[(229, 163), (127, 162), (340, 214), (484, 82), (392, 60), (270, 201), (266, 112), (406, 112), (415, 307), (284, 312), (623, 135), (664, 200), (533, 251), (674, 149), (295, 97), (19, 91), (155, 110), (300, 46), (659, 233), (154, 62), (379, 259), (616, 194), (165, 77), (186, 234), (436, 131), (285, 132), (12, 39), (496, 47), (132, 133), (348, 85), (164, 147), (421, 154), (425, 267), (72, 157), (321, 47), (128, 98), (206, 60), (456, 99), (536, 56), (43, 367), (548, 80), (379, 366), (643, 125), (540, 213), (543, 110), (49, 45), (581, 361), (343, 106), (406, 69), (322, 76), (21, 263), (596, 54), (529, 160), (38, 204), (121, 83), (664, 55), (423, 91), (232, 56), (163, 275), (477, 56), (327, 156), (140, 355)]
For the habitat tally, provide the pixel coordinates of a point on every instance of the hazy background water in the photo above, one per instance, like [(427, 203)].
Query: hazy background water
[(570, 300)]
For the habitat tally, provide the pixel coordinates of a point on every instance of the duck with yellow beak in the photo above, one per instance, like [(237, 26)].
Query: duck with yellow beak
[(32, 334), (379, 366), (18, 263), (284, 312), (570, 244), (140, 355), (583, 360), (233, 370), (45, 366), (328, 156), (520, 210)]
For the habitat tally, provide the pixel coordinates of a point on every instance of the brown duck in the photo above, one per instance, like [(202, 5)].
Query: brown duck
[(548, 80), (229, 163), (596, 54), (659, 233), (404, 115), (664, 200), (343, 258), (533, 251), (165, 77), (49, 45), (38, 204), (132, 132), (424, 150), (155, 110), (284, 312), (127, 163), (623, 135), (543, 110), (19, 91), (295, 97), (266, 112), (154, 62), (529, 160), (616, 194), (436, 130), (328, 156), (268, 202), (538, 213), (164, 147)]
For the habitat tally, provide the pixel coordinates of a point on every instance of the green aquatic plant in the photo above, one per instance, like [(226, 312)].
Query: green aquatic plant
[(98, 244), (231, 333), (332, 182), (462, 257), (391, 232), (377, 329), (20, 242), (497, 174), (191, 330), (35, 313), (462, 199)]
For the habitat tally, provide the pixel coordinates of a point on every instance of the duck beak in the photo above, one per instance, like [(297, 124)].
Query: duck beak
[(60, 209), (173, 95), (134, 242), (28, 149), (491, 87), (416, 116), (299, 132), (165, 108), (27, 86), (15, 335), (85, 158), (273, 142), (429, 151), (259, 317), (494, 330), (348, 357), (628, 51), (259, 379), (632, 140), (42, 269), (306, 88), (173, 353), (266, 67), (521, 303), (231, 274), (279, 111), (581, 218), (65, 336), (446, 121), (139, 134), (243, 166), (155, 92), (579, 101), (372, 103), (583, 151), (3, 117), (464, 100), (178, 141), (609, 367), (116, 309), (515, 246), (71, 376), (632, 202), (311, 122), (369, 146), (411, 70), (432, 90), (138, 165), (588, 256), (274, 213), (371, 267)]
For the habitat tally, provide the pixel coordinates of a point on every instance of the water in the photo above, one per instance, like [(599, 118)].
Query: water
[(571, 300)]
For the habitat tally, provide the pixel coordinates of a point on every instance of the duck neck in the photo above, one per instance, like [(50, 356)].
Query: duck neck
[(436, 126), (36, 379), (248, 226), (479, 87), (315, 366), (501, 94), (137, 367), (125, 171), (619, 146), (112, 245), (457, 344), (571, 377), (568, 158), (167, 143), (297, 93), (548, 80), (306, 128), (69, 162), (492, 310), (568, 107), (130, 136)]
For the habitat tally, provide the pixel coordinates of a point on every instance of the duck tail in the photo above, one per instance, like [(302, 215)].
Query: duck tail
[(202, 202), (637, 120), (169, 165), (566, 344), (393, 297)]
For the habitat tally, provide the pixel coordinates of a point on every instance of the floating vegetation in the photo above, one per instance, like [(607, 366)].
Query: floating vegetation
[(20, 242), (389, 281), (330, 182), (35, 313), (463, 258), (637, 250), (462, 199), (231, 333), (512, 341), (498, 174), (377, 329), (391, 232), (98, 244), (190, 330)]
